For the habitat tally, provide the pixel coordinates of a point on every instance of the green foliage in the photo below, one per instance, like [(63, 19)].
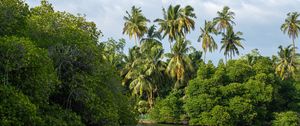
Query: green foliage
[(16, 108), (208, 42), (177, 21), (23, 66), (54, 71), (59, 71), (54, 115), (113, 52), (143, 107), (48, 27), (169, 109), (224, 20), (238, 94), (288, 118), (13, 14), (135, 24), (286, 66), (180, 66)]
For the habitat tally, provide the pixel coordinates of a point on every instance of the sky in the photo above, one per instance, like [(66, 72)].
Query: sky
[(259, 20)]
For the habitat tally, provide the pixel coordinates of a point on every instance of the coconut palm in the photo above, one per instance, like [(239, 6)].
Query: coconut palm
[(180, 65), (145, 70), (132, 61), (208, 42), (286, 67), (224, 20), (291, 26), (152, 35), (176, 22), (230, 43), (135, 24), (153, 65), (186, 22)]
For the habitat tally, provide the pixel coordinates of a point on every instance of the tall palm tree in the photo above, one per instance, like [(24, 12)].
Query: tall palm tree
[(180, 65), (291, 26), (286, 67), (230, 43), (176, 22), (135, 24), (224, 20), (144, 73), (153, 65), (208, 42)]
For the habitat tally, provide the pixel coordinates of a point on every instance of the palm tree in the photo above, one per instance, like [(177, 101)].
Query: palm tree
[(230, 43), (152, 35), (291, 26), (186, 22), (153, 65), (176, 22), (135, 24), (208, 42), (132, 61), (286, 67), (180, 65), (225, 19), (144, 70)]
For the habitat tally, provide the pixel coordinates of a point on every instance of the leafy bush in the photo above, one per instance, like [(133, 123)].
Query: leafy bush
[(22, 65), (54, 115), (232, 95), (16, 108), (288, 118), (168, 110)]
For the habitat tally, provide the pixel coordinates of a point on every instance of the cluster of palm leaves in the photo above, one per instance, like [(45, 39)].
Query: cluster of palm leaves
[(136, 24), (180, 65), (145, 69), (285, 68), (287, 65), (222, 24), (176, 22)]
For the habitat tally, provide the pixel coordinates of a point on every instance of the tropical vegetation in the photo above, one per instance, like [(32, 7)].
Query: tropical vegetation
[(56, 70)]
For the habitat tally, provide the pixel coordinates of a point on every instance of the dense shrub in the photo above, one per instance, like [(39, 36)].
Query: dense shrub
[(23, 65), (16, 108), (237, 94), (288, 118), (168, 110)]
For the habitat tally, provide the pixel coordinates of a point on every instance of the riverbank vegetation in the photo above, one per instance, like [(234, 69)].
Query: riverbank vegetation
[(56, 70)]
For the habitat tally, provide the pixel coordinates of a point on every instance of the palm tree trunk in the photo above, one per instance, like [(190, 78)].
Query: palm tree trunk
[(135, 40), (294, 49), (139, 42), (204, 57), (150, 99), (170, 42)]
